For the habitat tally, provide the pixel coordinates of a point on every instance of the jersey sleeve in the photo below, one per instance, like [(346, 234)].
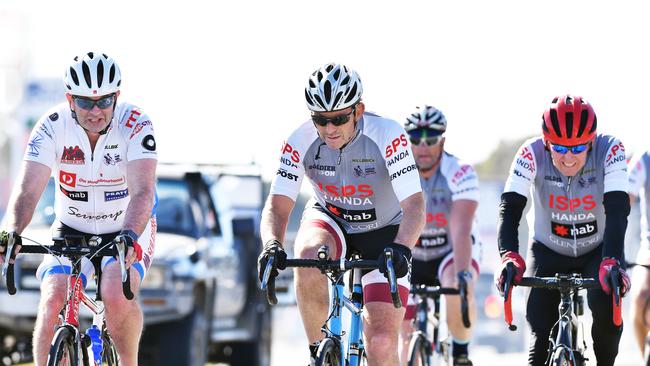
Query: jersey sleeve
[(41, 147), (464, 183), (522, 171), (637, 176), (291, 170), (616, 178), (138, 132), (398, 156)]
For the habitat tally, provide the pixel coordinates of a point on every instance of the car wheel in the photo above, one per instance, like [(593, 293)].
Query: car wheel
[(258, 352), (184, 342)]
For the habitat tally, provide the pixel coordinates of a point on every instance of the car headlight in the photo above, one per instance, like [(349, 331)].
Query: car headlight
[(154, 279)]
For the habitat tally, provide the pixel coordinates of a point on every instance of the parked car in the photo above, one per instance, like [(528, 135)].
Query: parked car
[(199, 298)]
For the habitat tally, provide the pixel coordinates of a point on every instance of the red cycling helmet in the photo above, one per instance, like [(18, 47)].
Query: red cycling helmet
[(569, 121)]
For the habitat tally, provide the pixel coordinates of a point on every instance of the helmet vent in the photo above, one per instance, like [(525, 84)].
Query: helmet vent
[(338, 97), (86, 71), (100, 73), (111, 75), (352, 93), (328, 90), (337, 74), (319, 101), (74, 76), (584, 116), (555, 123)]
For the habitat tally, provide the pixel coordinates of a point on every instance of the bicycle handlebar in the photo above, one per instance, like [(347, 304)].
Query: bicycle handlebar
[(60, 249), (559, 282), (326, 265), (436, 291)]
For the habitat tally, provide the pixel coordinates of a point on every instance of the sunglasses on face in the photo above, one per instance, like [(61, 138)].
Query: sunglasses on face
[(336, 121), (577, 149), (429, 136), (88, 104)]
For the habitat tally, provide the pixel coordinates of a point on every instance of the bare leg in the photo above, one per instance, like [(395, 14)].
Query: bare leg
[(382, 323), (452, 304), (311, 286), (123, 317), (53, 289)]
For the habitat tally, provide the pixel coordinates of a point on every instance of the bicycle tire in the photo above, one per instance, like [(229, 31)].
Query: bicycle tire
[(329, 353), (109, 353), (561, 357), (419, 352), (64, 349)]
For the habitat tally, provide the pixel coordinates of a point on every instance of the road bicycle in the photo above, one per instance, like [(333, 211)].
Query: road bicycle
[(70, 345), (568, 346), (332, 350), (425, 348)]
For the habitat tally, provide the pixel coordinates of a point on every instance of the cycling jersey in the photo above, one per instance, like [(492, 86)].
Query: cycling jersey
[(361, 184), (569, 216), (640, 186), (452, 181), (92, 193)]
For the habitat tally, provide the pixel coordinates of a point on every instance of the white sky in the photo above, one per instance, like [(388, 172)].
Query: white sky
[(223, 81)]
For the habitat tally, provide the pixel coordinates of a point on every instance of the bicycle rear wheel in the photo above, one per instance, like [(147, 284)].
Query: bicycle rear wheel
[(64, 350), (109, 354), (419, 351), (329, 353)]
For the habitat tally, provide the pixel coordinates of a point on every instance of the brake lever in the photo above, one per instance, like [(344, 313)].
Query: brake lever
[(8, 254), (267, 272), (121, 246)]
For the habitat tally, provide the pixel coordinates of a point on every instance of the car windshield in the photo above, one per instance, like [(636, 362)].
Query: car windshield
[(174, 210)]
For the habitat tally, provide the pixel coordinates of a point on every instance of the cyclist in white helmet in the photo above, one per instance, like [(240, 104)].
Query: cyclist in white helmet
[(367, 197), (449, 246), (102, 155)]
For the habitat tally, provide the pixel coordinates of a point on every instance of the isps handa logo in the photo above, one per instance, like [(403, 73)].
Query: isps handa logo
[(352, 215)]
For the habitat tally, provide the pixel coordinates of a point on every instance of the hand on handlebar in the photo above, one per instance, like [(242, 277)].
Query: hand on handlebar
[(133, 249), (4, 243), (500, 275), (401, 260), (608, 267), (272, 247)]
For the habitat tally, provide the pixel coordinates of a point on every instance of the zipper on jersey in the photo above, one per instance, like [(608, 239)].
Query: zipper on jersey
[(573, 224), (338, 160)]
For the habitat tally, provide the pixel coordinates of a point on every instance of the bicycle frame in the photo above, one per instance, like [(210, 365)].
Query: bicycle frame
[(338, 300), (568, 326)]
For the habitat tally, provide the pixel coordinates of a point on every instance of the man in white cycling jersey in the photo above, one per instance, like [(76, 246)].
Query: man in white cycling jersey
[(449, 246), (367, 197), (639, 168), (102, 155)]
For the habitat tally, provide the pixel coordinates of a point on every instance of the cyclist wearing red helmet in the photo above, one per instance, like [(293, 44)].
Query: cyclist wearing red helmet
[(578, 181)]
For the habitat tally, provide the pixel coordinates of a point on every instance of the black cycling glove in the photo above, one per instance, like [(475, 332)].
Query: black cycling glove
[(271, 247), (401, 260)]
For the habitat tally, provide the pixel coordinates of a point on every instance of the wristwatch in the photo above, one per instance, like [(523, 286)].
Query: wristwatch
[(130, 233)]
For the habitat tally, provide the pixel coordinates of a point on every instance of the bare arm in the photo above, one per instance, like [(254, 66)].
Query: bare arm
[(462, 217), (141, 180), (275, 217), (632, 198), (30, 184), (412, 220)]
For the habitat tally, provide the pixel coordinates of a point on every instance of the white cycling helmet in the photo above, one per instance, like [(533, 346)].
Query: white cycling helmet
[(426, 117), (91, 75), (333, 87)]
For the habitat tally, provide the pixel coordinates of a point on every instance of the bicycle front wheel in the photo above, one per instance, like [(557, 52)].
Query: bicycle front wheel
[(562, 357), (109, 354), (329, 353), (64, 350), (419, 352)]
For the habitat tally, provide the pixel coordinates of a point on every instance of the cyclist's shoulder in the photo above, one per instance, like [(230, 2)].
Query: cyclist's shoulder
[(303, 136), (451, 165), (374, 124)]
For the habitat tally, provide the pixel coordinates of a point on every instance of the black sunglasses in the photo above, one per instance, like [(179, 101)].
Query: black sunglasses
[(428, 135), (88, 104), (336, 121)]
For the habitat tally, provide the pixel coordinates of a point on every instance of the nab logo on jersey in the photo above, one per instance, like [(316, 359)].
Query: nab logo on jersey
[(392, 148)]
